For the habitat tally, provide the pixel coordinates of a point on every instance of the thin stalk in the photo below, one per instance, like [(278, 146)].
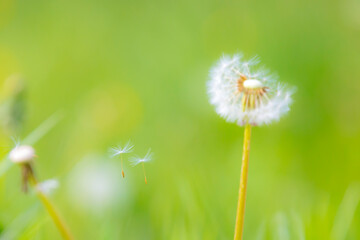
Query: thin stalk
[(239, 225), (122, 168), (60, 224)]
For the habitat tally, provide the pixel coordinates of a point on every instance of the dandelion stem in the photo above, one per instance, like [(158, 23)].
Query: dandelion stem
[(239, 226), (65, 232), (122, 169)]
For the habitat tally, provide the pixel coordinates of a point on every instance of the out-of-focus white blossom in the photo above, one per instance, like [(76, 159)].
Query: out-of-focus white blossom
[(95, 185), (48, 186), (243, 93)]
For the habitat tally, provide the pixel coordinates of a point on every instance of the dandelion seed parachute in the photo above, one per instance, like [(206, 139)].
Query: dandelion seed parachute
[(136, 160), (244, 93), (115, 151), (147, 158)]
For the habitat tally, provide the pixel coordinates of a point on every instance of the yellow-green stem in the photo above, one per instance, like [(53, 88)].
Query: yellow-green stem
[(239, 225), (65, 232)]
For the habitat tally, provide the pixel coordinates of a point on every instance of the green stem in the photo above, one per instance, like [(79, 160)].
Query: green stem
[(239, 226), (65, 232)]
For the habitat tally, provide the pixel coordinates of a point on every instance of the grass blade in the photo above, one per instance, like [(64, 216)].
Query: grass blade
[(345, 213)]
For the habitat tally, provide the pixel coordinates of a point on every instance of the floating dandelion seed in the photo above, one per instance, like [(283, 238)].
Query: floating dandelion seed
[(137, 160), (249, 96), (119, 151), (245, 94)]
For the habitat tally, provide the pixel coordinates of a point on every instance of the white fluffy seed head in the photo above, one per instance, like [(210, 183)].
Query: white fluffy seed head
[(22, 154), (243, 93)]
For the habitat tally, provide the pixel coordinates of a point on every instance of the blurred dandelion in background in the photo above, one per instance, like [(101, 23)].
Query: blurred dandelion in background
[(24, 155)]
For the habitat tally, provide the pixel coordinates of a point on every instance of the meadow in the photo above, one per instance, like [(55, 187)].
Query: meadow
[(79, 77)]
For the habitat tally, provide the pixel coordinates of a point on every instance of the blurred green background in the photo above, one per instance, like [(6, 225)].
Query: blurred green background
[(118, 70)]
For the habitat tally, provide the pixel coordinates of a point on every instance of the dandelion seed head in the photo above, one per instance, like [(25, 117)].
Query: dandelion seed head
[(147, 158), (116, 151), (22, 154), (244, 93)]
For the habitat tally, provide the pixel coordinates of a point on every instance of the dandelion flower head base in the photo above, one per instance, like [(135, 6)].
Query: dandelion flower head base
[(245, 94), (253, 93)]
